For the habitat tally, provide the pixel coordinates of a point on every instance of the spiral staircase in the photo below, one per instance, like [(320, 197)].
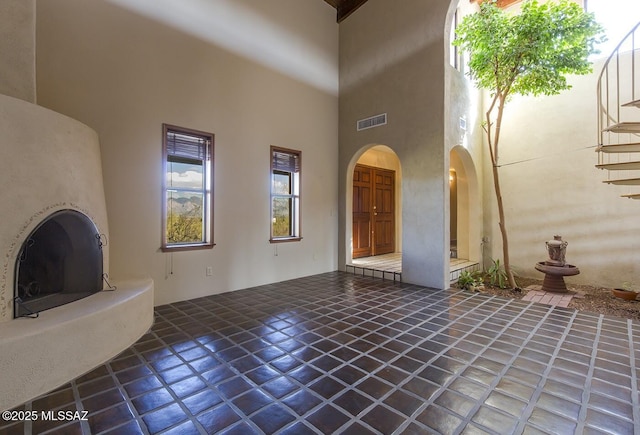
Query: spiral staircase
[(619, 116)]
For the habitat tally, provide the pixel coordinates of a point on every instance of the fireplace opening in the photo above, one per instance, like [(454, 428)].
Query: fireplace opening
[(58, 263)]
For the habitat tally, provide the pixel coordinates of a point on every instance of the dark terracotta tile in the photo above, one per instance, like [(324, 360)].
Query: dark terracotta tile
[(164, 418), (383, 419), (176, 374), (455, 402), (305, 374), (98, 372), (252, 401), (234, 387), (439, 419), (102, 400), (421, 388), (297, 429), (552, 422), (152, 400), (142, 386), (272, 418), (96, 386), (129, 375), (188, 386), (130, 428), (219, 374), (506, 403), (327, 387), (403, 402), (280, 387), (186, 428), (53, 400), (327, 419), (374, 387), (101, 421), (203, 400), (516, 389)]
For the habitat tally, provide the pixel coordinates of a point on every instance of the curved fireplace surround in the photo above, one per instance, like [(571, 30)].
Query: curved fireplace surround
[(52, 176)]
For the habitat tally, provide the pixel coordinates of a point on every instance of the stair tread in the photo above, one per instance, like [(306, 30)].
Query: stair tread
[(619, 166), (620, 148), (624, 127), (624, 181), (634, 103), (631, 196)]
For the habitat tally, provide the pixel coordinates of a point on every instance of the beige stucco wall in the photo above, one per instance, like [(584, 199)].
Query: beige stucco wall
[(18, 48), (125, 72), (550, 186), (392, 60)]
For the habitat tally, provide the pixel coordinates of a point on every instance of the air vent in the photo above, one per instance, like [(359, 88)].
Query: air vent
[(371, 122)]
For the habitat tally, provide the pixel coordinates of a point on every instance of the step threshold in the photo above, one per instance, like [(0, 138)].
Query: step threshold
[(631, 196)]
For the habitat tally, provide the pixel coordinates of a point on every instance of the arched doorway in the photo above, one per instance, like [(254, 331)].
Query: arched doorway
[(464, 208), (374, 208)]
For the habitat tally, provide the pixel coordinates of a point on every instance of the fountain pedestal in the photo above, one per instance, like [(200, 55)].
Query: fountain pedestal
[(555, 268), (554, 276)]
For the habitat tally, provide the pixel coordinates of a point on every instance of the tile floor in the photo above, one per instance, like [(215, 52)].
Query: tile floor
[(341, 353)]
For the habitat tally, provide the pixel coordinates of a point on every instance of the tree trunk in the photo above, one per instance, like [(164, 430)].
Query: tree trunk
[(500, 98), (503, 229)]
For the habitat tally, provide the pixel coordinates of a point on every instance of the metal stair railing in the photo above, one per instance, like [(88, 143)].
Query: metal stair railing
[(618, 97)]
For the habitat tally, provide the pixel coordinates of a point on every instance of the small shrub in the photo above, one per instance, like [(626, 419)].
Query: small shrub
[(468, 280), (496, 275)]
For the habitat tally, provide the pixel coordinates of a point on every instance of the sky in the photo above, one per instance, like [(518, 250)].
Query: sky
[(618, 18)]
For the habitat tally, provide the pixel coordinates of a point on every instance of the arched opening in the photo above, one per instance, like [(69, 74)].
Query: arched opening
[(374, 208), (464, 207), (59, 262)]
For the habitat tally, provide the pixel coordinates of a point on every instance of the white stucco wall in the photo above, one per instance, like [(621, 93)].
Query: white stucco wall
[(550, 186), (18, 48), (124, 72), (392, 60)]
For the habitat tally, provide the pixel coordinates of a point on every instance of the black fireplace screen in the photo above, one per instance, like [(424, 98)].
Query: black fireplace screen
[(60, 262)]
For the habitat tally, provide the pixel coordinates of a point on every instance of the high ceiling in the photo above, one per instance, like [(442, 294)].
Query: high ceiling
[(345, 7)]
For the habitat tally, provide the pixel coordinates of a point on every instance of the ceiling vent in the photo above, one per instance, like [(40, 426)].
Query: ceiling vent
[(373, 121)]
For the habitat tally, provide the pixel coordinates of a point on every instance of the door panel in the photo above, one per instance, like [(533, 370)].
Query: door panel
[(373, 211), (384, 212), (362, 246)]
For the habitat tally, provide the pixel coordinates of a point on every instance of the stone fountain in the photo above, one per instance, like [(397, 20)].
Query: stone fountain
[(556, 268)]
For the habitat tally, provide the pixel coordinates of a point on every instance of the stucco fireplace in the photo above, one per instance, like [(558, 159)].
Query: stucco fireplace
[(54, 246)]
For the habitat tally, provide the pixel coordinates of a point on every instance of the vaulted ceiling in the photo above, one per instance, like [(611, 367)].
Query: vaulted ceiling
[(345, 7)]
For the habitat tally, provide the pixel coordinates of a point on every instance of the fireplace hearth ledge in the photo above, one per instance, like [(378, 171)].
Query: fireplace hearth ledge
[(39, 355)]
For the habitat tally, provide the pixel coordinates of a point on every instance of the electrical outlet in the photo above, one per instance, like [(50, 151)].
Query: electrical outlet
[(209, 271)]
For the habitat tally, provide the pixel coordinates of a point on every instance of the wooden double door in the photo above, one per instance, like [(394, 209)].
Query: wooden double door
[(373, 211)]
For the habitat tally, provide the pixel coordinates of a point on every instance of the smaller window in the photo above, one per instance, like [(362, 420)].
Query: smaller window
[(285, 195), (187, 198)]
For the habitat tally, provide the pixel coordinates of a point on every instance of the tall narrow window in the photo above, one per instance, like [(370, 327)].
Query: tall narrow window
[(285, 195), (187, 205)]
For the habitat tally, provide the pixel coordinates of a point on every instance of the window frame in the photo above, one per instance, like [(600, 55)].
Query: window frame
[(295, 197), (207, 189)]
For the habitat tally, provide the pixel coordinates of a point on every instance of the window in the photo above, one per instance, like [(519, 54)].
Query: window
[(187, 202), (285, 195)]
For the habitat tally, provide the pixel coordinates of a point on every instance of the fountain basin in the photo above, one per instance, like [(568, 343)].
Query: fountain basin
[(554, 276)]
